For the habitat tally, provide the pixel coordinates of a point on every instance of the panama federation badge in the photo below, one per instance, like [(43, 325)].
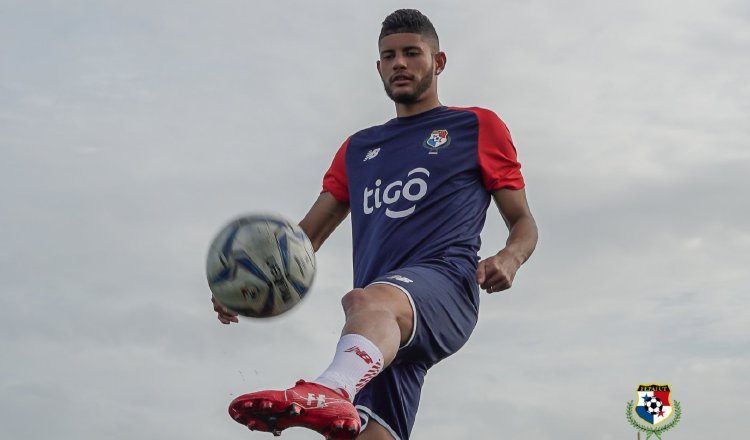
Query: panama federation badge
[(655, 409), (438, 139)]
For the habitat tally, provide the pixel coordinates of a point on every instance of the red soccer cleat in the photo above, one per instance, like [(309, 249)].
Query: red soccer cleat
[(307, 404)]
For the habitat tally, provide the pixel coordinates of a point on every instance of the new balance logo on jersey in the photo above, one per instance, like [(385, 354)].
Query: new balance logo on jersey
[(358, 351), (413, 190), (371, 154)]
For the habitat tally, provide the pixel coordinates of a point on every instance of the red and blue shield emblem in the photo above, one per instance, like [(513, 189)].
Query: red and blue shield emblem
[(653, 405), (438, 139)]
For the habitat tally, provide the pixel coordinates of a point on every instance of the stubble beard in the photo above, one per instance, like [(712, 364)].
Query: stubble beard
[(409, 97)]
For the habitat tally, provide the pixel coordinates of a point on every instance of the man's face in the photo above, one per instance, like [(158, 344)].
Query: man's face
[(407, 67)]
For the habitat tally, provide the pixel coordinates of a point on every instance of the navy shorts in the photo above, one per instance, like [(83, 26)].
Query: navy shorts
[(445, 302)]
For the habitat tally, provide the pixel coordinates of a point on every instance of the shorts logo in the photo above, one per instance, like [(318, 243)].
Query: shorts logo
[(438, 139), (412, 190), (653, 407), (401, 278)]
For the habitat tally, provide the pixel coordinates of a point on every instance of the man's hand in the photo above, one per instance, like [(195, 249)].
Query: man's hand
[(225, 315), (497, 272)]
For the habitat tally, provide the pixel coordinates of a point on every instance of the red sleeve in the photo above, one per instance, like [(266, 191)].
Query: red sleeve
[(497, 155), (335, 180)]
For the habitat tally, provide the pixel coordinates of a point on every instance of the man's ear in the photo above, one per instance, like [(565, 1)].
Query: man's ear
[(440, 62)]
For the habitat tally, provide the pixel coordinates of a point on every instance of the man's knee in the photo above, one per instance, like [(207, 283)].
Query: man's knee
[(376, 298), (355, 300), (382, 301)]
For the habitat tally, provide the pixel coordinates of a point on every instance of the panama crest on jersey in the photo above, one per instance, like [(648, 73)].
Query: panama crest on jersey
[(437, 140), (653, 403)]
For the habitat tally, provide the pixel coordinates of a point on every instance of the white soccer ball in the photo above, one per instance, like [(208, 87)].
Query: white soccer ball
[(260, 265), (653, 405)]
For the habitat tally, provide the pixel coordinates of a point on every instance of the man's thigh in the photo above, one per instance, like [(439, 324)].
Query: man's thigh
[(375, 431)]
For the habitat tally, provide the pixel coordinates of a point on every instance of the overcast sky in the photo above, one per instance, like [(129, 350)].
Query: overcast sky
[(131, 131)]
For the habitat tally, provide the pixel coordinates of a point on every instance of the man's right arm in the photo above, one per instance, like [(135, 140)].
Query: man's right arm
[(323, 218)]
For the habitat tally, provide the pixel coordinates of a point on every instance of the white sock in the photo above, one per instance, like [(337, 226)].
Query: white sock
[(356, 362)]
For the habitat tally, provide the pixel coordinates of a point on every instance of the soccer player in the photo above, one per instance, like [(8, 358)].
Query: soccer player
[(418, 188)]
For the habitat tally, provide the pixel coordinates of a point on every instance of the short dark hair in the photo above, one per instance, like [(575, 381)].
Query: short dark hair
[(409, 21)]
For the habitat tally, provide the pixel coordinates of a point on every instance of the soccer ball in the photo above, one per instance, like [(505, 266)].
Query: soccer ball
[(260, 265), (653, 405)]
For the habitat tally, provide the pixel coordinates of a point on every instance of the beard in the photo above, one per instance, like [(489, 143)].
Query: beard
[(409, 97)]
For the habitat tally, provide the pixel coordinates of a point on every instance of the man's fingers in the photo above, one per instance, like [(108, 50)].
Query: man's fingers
[(495, 274), (218, 308), (229, 315), (225, 315), (497, 283), (226, 319), (223, 310), (490, 276), (488, 273), (481, 273), (504, 283)]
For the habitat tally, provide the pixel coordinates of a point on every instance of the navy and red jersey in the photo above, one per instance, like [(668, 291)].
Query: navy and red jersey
[(419, 187)]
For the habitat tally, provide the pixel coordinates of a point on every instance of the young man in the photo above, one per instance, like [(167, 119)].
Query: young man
[(418, 188)]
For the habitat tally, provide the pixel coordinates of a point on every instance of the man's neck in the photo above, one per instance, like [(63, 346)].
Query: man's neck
[(404, 110)]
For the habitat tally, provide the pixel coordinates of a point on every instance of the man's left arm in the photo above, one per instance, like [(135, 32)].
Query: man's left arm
[(496, 273)]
